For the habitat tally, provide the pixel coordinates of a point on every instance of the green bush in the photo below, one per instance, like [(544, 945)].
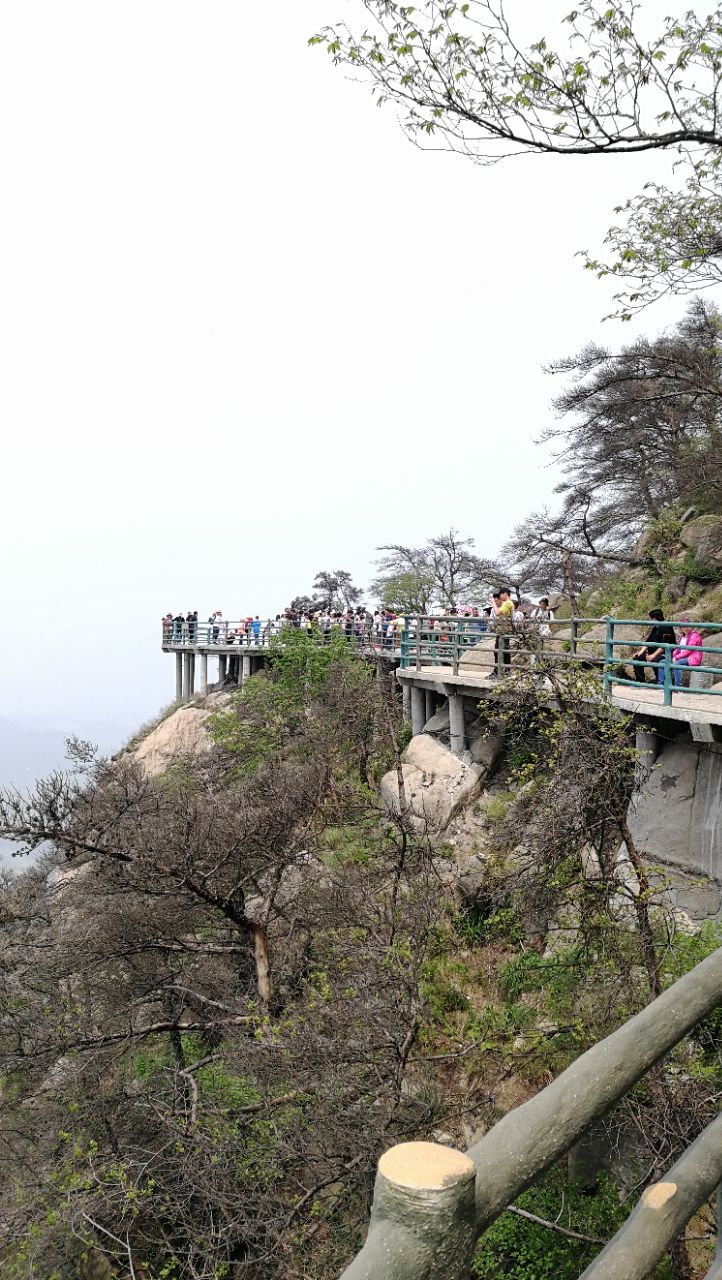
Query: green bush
[(703, 571), (518, 1249)]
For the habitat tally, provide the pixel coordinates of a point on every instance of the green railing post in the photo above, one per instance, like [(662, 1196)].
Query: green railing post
[(419, 621), (608, 658), (405, 644), (667, 675)]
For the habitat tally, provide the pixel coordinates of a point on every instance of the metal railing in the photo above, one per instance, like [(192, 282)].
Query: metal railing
[(260, 632), (413, 1233), (448, 640)]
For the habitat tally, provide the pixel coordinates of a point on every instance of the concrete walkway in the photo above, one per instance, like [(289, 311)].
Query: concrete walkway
[(698, 708)]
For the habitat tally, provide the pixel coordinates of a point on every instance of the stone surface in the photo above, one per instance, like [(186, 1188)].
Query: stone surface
[(439, 723), (481, 655), (485, 750), (437, 785), (474, 879), (592, 643), (676, 587), (704, 537), (676, 822), (182, 736)]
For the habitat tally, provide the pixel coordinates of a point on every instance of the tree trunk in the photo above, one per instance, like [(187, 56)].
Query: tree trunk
[(263, 965)]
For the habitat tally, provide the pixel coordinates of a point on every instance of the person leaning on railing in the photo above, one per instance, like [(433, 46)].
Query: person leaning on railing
[(688, 653), (652, 651)]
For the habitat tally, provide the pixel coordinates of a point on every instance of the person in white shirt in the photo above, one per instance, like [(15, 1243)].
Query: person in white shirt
[(542, 615)]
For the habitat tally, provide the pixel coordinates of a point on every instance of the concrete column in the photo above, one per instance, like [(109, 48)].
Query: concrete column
[(204, 674), (222, 664), (418, 708), (186, 675), (457, 727), (178, 677), (240, 664), (429, 703), (647, 746), (192, 675), (406, 702), (247, 669)]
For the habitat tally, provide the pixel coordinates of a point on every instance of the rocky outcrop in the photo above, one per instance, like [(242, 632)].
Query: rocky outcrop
[(436, 785), (182, 736), (676, 823)]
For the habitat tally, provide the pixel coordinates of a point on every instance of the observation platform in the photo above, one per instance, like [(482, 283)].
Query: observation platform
[(241, 653)]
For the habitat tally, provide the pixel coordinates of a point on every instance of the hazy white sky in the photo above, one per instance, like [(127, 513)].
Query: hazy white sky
[(249, 331)]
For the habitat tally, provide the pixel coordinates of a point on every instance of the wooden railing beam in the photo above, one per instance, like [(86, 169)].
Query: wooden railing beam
[(529, 1139), (663, 1212)]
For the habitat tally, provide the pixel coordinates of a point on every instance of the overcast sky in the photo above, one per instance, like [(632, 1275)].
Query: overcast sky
[(250, 332)]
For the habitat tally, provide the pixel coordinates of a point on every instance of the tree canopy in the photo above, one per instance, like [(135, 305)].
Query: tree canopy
[(444, 572), (465, 77)]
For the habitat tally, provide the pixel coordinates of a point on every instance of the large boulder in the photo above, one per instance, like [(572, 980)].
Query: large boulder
[(182, 736), (704, 537), (436, 784), (438, 724), (592, 644), (480, 658)]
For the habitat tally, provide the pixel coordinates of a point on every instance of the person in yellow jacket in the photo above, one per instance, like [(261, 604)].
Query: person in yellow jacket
[(502, 611)]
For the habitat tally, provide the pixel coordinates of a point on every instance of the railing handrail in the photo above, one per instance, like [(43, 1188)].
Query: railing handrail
[(529, 1139), (444, 640)]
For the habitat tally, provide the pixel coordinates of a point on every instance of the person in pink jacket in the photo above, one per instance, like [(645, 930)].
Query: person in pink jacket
[(687, 654)]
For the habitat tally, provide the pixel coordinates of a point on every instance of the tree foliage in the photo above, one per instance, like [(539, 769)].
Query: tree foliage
[(639, 434), (212, 984), (464, 76), (443, 573)]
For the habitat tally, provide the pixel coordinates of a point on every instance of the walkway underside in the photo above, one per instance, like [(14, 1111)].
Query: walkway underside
[(693, 708)]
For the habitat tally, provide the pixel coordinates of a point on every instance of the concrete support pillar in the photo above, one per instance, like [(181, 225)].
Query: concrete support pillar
[(429, 703), (705, 732), (186, 675), (423, 1217), (647, 745), (418, 708), (178, 677), (192, 675), (406, 702), (222, 664), (240, 664), (204, 674), (247, 669), (457, 727)]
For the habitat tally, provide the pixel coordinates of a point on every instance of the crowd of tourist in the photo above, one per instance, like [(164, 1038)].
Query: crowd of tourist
[(381, 629), (504, 616)]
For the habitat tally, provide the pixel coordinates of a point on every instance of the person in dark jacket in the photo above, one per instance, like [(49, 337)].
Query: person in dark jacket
[(652, 651)]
